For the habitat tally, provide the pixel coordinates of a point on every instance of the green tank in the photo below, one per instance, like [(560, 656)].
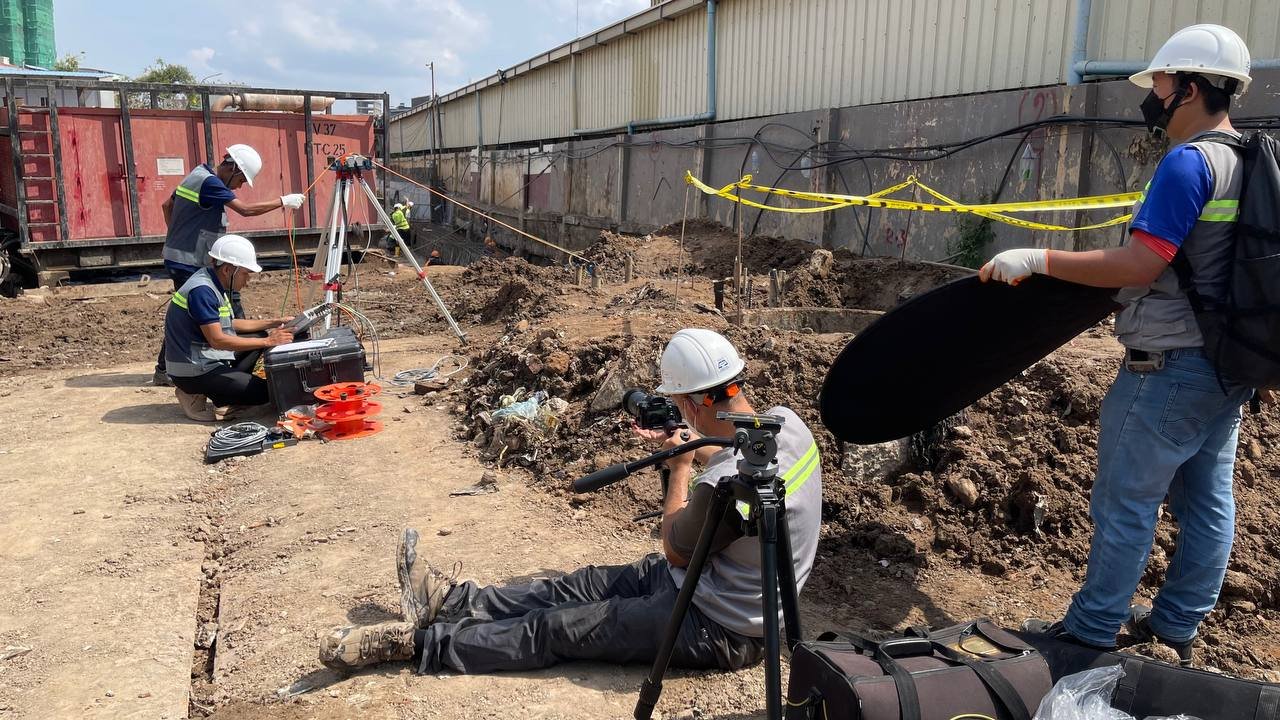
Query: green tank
[(13, 41), (37, 27)]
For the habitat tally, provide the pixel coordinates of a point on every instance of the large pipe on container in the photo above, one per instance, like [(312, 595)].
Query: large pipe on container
[(263, 101)]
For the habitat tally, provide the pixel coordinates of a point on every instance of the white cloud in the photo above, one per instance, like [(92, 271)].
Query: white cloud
[(594, 14), (373, 45)]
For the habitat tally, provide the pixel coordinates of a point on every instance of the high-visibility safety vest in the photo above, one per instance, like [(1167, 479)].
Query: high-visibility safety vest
[(1159, 316), (399, 219), (198, 357), (192, 228)]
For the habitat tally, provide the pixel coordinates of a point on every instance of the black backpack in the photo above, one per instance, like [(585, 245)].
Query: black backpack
[(1242, 333)]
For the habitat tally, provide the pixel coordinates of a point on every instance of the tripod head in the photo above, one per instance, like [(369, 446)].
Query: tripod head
[(755, 436)]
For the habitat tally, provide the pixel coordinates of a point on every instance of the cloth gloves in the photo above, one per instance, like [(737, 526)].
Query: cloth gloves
[(1013, 266), (293, 201)]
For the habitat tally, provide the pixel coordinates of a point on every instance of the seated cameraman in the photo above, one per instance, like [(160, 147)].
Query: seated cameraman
[(617, 614)]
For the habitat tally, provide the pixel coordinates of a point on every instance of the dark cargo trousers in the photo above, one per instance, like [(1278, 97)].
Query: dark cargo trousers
[(614, 614)]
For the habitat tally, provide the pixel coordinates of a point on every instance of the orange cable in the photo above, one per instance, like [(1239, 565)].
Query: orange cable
[(464, 206)]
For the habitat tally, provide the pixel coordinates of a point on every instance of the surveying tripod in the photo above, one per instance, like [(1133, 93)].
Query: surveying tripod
[(350, 170)]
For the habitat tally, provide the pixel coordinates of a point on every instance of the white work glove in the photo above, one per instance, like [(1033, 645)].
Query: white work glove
[(1014, 266), (293, 201)]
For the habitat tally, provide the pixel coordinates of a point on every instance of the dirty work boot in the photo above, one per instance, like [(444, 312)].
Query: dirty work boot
[(1058, 631), (160, 378), (422, 587), (1139, 626), (195, 407), (356, 646)]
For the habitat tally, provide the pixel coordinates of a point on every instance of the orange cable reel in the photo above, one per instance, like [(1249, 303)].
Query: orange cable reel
[(348, 410)]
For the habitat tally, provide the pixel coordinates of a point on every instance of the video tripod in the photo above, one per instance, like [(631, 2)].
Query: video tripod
[(757, 484)]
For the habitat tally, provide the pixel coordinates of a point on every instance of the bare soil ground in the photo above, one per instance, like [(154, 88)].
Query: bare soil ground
[(123, 555)]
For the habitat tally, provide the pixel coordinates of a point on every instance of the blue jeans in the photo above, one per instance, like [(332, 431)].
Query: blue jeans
[(1166, 433)]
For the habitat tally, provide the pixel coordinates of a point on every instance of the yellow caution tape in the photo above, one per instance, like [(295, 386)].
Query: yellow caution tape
[(827, 202)]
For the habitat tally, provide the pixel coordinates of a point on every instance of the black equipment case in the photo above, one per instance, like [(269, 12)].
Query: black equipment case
[(1152, 688), (926, 675), (295, 371)]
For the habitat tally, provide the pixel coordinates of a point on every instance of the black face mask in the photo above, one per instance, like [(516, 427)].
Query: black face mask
[(1156, 115)]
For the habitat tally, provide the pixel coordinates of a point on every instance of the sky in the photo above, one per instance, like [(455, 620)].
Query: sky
[(369, 45)]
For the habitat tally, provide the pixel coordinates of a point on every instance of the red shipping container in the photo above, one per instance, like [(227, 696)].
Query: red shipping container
[(167, 144)]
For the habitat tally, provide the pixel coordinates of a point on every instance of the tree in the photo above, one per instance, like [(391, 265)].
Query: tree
[(68, 63), (166, 73)]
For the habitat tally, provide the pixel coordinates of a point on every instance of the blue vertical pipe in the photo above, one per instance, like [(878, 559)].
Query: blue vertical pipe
[(1080, 43)]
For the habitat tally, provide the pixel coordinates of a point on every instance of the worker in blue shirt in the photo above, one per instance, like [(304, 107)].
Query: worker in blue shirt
[(196, 215), (208, 356), (1169, 424)]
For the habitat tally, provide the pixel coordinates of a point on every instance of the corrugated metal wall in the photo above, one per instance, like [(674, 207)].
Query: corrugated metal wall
[(782, 56), (1134, 29), (660, 72)]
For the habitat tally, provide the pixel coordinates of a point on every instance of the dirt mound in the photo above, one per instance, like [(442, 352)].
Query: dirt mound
[(712, 248), (510, 288), (609, 254)]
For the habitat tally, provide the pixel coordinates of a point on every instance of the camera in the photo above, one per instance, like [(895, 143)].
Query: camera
[(652, 412)]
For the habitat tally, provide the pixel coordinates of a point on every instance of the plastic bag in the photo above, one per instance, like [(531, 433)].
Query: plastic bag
[(538, 409), (1087, 696), (512, 405)]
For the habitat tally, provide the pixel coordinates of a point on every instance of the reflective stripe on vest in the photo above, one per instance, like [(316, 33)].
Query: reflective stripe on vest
[(1221, 211), (188, 222), (201, 357), (1214, 210), (793, 478)]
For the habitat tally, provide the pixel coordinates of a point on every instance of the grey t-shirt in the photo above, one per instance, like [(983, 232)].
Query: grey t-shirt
[(729, 590)]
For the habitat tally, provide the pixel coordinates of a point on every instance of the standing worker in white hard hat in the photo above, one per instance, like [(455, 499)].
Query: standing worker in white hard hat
[(618, 613), (206, 354), (196, 216), (1169, 423)]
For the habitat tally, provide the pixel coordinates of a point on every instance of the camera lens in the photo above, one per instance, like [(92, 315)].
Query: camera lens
[(632, 400)]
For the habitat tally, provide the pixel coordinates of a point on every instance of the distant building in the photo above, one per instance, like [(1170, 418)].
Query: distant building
[(26, 33), (32, 94)]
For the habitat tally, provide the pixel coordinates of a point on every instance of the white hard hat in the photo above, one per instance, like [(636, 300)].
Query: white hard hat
[(247, 159), (398, 206), (696, 359), (408, 203), (1210, 50), (235, 250)]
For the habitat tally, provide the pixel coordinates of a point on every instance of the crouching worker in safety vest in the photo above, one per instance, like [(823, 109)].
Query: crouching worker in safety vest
[(617, 613), (205, 354), (196, 215)]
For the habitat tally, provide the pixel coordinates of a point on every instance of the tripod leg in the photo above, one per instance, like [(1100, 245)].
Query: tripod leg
[(787, 580), (320, 261), (652, 687), (767, 522), (408, 254), (334, 270)]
